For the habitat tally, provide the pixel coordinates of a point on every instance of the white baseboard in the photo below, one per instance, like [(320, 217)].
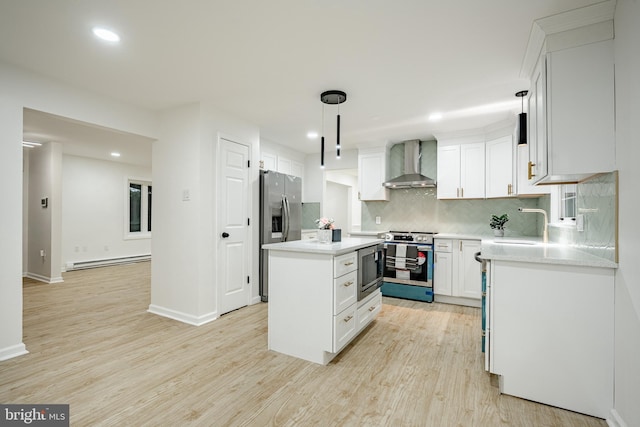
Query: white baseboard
[(182, 317), (469, 302), (617, 420), (81, 265), (44, 279), (13, 351), (255, 300)]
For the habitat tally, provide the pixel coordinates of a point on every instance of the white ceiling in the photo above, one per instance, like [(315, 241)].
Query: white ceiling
[(268, 61)]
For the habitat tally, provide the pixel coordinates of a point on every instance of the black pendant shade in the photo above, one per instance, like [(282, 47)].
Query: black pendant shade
[(522, 120), (333, 97)]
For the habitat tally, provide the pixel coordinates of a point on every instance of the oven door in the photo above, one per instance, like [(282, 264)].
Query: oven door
[(370, 270), (409, 264)]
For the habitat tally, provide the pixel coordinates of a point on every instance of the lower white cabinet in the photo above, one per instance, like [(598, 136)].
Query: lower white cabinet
[(368, 309), (457, 274), (552, 334)]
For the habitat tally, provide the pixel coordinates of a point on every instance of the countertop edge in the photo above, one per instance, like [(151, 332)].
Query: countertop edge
[(313, 246)]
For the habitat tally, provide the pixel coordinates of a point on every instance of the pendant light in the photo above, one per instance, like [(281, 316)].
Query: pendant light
[(333, 97), (522, 119)]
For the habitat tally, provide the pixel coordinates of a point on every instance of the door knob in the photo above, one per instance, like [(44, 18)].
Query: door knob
[(225, 235)]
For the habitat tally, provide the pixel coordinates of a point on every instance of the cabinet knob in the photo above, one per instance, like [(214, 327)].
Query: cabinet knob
[(225, 235)]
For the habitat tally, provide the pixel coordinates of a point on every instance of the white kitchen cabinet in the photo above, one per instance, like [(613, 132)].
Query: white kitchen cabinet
[(525, 186), (457, 274), (372, 173), (469, 270), (461, 171), (552, 334), (269, 161), (442, 267), (571, 128), (499, 167)]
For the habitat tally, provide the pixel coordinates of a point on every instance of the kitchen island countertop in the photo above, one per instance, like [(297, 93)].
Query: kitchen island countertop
[(348, 244)]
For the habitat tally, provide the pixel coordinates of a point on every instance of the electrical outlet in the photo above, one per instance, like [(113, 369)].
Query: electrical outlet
[(580, 222), (378, 220), (186, 196)]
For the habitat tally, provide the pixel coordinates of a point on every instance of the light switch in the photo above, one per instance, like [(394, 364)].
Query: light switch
[(186, 196), (378, 220)]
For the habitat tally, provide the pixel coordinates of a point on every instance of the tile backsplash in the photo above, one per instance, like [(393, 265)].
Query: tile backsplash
[(310, 212), (420, 210), (597, 203)]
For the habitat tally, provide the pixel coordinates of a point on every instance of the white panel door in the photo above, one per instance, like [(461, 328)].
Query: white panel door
[(470, 270), (233, 214)]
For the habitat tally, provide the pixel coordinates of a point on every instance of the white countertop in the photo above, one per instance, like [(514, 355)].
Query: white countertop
[(347, 244), (534, 251)]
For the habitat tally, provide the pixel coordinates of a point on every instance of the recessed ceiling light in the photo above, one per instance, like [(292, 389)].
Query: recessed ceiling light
[(115, 154), (435, 117), (312, 135), (106, 35)]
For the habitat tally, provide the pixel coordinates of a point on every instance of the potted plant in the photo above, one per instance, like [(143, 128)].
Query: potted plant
[(497, 224)]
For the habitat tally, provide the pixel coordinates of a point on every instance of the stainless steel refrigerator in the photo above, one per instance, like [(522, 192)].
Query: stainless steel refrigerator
[(280, 216)]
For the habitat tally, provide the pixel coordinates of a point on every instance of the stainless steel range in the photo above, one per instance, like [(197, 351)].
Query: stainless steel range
[(408, 269)]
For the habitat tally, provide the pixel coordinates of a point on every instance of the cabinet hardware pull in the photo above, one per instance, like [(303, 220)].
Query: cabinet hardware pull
[(509, 189), (529, 173), (372, 308), (347, 284), (458, 192), (348, 263), (460, 245), (462, 192), (346, 319)]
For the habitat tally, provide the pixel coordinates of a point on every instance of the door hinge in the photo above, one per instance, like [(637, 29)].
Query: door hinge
[(248, 163), (248, 279)]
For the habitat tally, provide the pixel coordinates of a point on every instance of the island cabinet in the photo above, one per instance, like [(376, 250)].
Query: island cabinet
[(313, 307), (551, 333)]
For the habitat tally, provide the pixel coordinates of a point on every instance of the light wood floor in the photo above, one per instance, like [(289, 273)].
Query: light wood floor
[(93, 345)]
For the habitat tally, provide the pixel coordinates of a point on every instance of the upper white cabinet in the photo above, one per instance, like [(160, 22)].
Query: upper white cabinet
[(281, 164), (499, 167), (525, 185), (571, 108), (372, 173), (461, 169)]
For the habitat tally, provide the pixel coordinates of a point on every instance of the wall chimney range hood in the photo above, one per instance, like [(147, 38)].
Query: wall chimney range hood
[(411, 178)]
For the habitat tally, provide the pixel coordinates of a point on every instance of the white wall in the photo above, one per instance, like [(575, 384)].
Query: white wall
[(336, 205), (313, 182), (25, 210), (94, 207), (185, 237), (19, 89), (45, 222), (627, 302)]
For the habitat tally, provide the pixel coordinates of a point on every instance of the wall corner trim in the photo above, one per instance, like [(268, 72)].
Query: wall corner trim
[(13, 351), (182, 317)]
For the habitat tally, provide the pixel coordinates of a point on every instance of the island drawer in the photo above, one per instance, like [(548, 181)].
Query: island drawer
[(441, 245), (344, 264), (369, 309), (344, 327), (345, 291)]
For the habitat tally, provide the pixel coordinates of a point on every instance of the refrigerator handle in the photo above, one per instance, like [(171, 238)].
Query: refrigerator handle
[(285, 218), (288, 217)]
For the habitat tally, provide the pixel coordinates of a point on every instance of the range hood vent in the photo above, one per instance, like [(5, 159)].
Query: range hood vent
[(411, 178)]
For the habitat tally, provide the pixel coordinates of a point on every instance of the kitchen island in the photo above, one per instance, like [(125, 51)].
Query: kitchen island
[(313, 308)]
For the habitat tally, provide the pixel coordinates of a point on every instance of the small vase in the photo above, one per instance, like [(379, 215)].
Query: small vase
[(324, 236), (498, 232)]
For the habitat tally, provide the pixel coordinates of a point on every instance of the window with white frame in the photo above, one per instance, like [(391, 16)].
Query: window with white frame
[(564, 204), (138, 209)]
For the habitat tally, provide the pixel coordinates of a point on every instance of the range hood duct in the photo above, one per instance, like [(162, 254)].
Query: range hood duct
[(412, 178)]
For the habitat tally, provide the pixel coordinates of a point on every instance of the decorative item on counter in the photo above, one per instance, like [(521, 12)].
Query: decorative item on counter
[(497, 224), (325, 230)]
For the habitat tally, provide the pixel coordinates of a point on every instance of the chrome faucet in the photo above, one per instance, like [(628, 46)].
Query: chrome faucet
[(545, 232)]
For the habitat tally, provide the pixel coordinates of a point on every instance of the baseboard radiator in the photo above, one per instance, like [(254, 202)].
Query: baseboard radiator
[(81, 265)]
